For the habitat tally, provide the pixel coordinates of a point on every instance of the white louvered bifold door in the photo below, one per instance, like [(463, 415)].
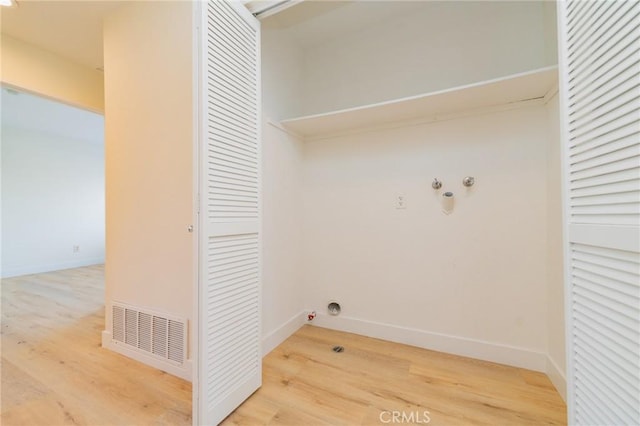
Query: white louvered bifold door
[(229, 357), (600, 95)]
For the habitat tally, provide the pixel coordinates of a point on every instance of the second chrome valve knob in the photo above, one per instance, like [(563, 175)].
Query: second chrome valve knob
[(436, 184)]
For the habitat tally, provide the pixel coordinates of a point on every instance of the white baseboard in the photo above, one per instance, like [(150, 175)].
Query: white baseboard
[(557, 377), (503, 354), (183, 371), (487, 351), (280, 334), (16, 271)]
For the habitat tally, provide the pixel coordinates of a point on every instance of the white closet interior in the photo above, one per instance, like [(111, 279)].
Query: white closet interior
[(366, 102)]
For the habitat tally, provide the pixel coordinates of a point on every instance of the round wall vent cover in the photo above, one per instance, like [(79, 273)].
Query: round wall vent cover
[(333, 308)]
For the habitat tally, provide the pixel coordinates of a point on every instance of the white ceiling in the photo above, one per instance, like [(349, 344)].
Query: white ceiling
[(27, 111), (72, 29)]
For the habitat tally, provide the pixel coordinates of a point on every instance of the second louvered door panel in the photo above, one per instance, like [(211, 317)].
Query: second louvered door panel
[(600, 86), (229, 367)]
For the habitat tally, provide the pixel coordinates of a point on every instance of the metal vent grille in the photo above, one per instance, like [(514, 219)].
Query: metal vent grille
[(156, 334)]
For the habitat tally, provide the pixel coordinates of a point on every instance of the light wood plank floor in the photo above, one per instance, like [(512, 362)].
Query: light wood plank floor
[(54, 372), (306, 383)]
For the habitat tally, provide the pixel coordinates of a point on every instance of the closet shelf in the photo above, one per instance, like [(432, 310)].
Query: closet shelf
[(528, 86)]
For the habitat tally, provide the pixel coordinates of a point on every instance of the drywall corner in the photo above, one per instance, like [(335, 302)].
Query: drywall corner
[(282, 333), (555, 277), (557, 377), (33, 69), (281, 236)]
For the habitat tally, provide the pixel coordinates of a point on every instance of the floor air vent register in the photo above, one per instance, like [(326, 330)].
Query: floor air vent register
[(153, 333)]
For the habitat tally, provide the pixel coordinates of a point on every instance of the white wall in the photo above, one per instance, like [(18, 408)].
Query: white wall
[(482, 281), (556, 368), (281, 74), (281, 193), (31, 68), (436, 46), (149, 157), (282, 272), (473, 282), (52, 186)]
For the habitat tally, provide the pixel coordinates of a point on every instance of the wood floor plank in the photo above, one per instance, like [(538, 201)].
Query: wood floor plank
[(54, 372), (24, 387), (373, 380)]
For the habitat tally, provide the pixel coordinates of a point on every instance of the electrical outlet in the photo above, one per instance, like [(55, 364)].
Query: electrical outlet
[(76, 249), (401, 201)]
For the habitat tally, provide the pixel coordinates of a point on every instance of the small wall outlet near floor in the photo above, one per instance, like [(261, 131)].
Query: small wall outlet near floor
[(401, 201), (76, 249)]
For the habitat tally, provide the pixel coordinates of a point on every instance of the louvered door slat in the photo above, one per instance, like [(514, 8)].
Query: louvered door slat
[(225, 63), (628, 186), (592, 49), (234, 168), (619, 374), (607, 102), (230, 366), (600, 93), (236, 182), (602, 138), (598, 256), (223, 114), (616, 362), (597, 331), (228, 82), (605, 156), (581, 12), (232, 152), (236, 163), (597, 97), (234, 260), (237, 31), (232, 91), (603, 146), (227, 99), (622, 78), (599, 207), (622, 115), (594, 182), (234, 47), (613, 125), (586, 18), (591, 377), (604, 168), (619, 400), (225, 129), (611, 315)]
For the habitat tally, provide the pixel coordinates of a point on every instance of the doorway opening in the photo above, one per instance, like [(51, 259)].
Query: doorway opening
[(53, 180)]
